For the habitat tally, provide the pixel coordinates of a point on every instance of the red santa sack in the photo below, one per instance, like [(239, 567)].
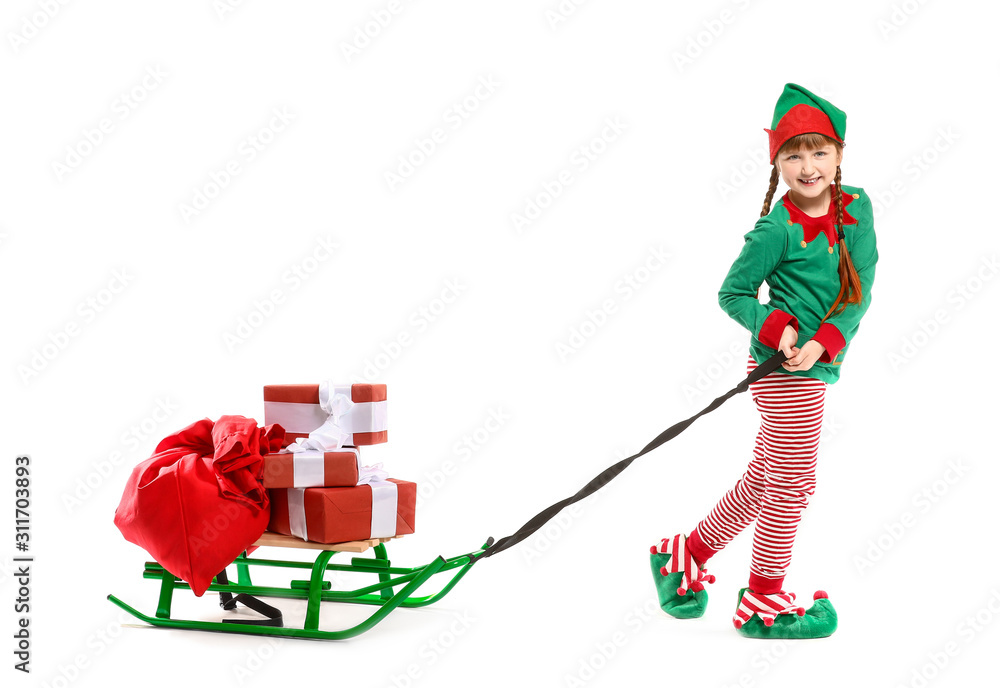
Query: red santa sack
[(199, 501)]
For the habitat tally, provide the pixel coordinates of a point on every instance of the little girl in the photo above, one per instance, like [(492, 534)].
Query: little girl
[(816, 251)]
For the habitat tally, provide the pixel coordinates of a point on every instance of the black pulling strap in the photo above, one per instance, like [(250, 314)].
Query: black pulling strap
[(610, 473)]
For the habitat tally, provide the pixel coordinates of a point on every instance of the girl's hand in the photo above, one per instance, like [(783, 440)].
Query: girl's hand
[(787, 342), (803, 359)]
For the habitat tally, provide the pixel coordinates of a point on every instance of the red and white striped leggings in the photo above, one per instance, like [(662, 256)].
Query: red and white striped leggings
[(778, 482)]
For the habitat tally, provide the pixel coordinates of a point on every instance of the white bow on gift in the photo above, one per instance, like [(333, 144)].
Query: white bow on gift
[(331, 436), (371, 474)]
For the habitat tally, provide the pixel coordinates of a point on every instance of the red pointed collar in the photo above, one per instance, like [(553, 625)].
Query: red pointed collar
[(812, 226)]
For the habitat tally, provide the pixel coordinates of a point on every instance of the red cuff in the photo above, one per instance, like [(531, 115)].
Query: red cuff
[(698, 549), (774, 326), (829, 336), (765, 586)]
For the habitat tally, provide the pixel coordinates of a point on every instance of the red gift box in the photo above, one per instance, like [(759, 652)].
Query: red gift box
[(340, 468), (343, 514), (359, 411)]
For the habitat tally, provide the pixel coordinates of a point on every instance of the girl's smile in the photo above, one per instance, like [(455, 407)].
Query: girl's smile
[(808, 173)]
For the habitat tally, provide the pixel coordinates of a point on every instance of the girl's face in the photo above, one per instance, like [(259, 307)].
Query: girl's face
[(809, 171)]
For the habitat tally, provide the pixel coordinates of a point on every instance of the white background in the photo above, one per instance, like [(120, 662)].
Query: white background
[(690, 89)]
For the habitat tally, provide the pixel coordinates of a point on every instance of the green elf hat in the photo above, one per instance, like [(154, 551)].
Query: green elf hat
[(799, 111)]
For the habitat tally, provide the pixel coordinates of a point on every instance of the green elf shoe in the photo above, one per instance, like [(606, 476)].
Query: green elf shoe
[(680, 595), (777, 616)]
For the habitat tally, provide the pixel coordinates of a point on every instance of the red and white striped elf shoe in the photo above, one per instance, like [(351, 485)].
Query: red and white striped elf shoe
[(681, 561), (767, 607)]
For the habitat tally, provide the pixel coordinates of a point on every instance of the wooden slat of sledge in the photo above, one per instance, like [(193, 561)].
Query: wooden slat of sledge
[(278, 540)]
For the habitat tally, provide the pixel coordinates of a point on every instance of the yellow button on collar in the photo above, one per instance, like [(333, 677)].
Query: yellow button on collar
[(831, 249), (856, 195), (790, 222), (803, 244)]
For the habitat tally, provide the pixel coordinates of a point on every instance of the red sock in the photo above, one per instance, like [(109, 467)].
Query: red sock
[(765, 586), (698, 549)]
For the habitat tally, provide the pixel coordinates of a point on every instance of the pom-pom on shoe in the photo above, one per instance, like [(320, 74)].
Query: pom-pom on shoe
[(679, 579), (778, 616)]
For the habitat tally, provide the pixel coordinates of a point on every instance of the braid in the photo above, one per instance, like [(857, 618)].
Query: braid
[(850, 283), (839, 193), (770, 192)]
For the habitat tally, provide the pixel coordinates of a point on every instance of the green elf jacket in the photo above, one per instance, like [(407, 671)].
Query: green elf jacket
[(797, 256)]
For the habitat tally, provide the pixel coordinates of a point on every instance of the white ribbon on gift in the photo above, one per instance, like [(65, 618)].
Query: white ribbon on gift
[(385, 498), (371, 474), (385, 504), (297, 513), (309, 470), (332, 422), (309, 466), (335, 431)]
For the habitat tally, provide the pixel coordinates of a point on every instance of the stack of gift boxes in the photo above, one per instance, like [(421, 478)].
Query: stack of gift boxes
[(319, 487)]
